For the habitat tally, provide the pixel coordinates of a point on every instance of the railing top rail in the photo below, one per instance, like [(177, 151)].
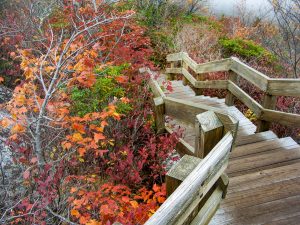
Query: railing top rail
[(175, 205), (272, 86)]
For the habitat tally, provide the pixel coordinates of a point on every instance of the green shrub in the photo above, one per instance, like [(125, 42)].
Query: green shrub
[(96, 98), (244, 48)]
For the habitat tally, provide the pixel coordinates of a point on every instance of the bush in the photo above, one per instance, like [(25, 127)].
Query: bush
[(244, 48)]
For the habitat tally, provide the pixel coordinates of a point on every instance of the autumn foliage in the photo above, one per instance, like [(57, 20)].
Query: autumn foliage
[(81, 128)]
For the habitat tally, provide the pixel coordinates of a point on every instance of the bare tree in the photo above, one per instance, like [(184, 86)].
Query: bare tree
[(286, 43)]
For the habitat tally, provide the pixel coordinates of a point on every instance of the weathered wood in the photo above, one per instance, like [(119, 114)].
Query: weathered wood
[(185, 67), (159, 114), (182, 147), (172, 68), (175, 57), (264, 136), (180, 171), (189, 76), (209, 208), (215, 84), (215, 66), (287, 119), (188, 60), (284, 87), (253, 76), (188, 192), (245, 98), (209, 131), (269, 102), (229, 100), (155, 88)]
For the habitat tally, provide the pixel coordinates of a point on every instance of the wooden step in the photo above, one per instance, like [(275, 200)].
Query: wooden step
[(264, 136), (259, 147), (265, 160), (264, 177), (285, 211)]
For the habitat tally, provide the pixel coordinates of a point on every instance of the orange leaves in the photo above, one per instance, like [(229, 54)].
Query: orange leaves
[(78, 127), (66, 145), (81, 151), (75, 212), (1, 80), (121, 79), (18, 128), (98, 137)]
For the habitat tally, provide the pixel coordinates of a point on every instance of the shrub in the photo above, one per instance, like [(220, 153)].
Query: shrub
[(245, 48)]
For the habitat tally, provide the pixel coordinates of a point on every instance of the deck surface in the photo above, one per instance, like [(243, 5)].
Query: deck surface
[(264, 170)]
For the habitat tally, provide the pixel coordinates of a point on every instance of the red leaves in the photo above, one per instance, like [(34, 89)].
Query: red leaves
[(26, 174)]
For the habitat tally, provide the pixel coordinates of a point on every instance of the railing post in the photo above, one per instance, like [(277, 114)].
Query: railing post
[(185, 66), (171, 76), (229, 100), (159, 111), (179, 172), (199, 77), (209, 131), (269, 102)]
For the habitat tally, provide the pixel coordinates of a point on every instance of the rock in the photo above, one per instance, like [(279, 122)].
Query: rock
[(5, 94)]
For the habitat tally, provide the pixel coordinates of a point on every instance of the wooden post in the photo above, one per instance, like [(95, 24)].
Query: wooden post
[(199, 91), (171, 76), (269, 102), (180, 171), (209, 131), (184, 80), (159, 111), (229, 100)]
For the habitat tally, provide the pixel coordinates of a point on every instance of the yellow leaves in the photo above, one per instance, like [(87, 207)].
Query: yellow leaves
[(134, 204), (77, 137), (75, 212), (20, 99)]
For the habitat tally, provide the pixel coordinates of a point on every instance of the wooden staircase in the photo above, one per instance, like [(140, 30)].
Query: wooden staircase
[(263, 170)]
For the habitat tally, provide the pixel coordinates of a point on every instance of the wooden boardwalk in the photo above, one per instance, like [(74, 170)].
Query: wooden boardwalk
[(264, 170), (231, 172)]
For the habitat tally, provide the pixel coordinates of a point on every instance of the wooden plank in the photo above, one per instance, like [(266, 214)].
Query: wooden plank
[(280, 209), (157, 91), (182, 147), (262, 194), (268, 135), (174, 70), (159, 115), (209, 131), (284, 87), (287, 119), (269, 102), (268, 159), (189, 76), (209, 208), (229, 100), (214, 84), (264, 177), (245, 98), (263, 146), (180, 171), (215, 66), (253, 76), (189, 61), (174, 57), (188, 192)]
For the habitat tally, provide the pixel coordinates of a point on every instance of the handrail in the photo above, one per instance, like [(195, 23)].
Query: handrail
[(205, 182), (272, 87), (188, 193)]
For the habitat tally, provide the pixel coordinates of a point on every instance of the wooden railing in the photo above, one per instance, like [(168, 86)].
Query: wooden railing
[(197, 183), (272, 88)]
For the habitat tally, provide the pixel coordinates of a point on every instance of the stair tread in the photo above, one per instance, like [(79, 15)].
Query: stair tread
[(263, 136)]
